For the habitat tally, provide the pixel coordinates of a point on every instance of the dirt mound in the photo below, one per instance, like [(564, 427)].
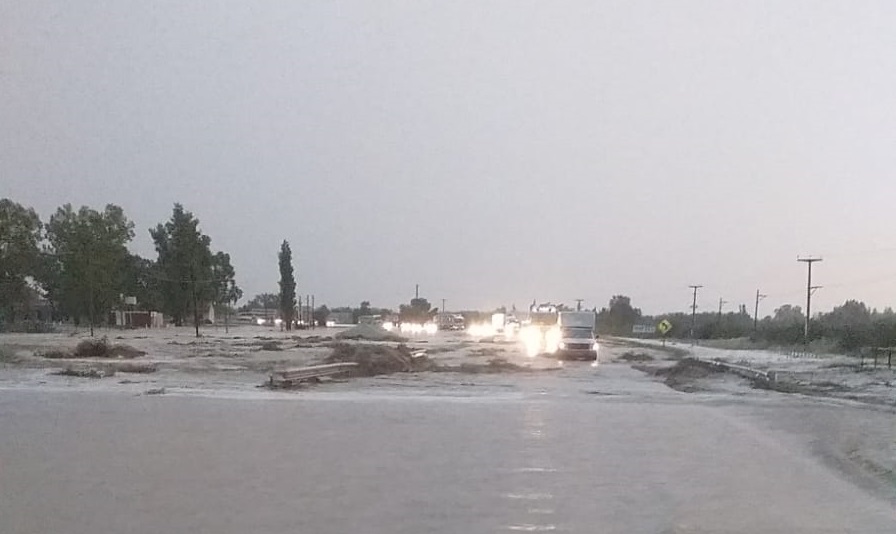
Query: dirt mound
[(485, 352), (636, 357), (94, 348), (101, 348), (135, 367), (683, 375), (495, 365), (56, 354), (87, 372), (379, 359), (369, 332)]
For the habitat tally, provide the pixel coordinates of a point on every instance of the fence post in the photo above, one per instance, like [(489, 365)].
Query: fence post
[(889, 358)]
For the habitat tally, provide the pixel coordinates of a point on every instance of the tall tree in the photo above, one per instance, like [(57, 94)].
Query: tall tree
[(226, 292), (185, 265), (88, 259), (418, 311), (287, 285), (20, 233), (619, 317)]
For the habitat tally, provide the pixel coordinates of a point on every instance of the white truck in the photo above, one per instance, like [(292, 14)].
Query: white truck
[(577, 338)]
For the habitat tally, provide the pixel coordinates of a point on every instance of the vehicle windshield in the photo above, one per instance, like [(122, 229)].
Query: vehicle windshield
[(543, 318), (577, 333)]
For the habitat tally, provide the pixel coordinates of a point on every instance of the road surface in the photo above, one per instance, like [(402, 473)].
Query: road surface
[(586, 450)]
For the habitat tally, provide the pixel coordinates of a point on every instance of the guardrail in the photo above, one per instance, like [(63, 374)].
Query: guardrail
[(289, 377)]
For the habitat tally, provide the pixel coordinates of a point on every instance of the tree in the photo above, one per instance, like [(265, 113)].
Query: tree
[(88, 259), (620, 317), (185, 264), (320, 315), (287, 285), (850, 324), (262, 300), (419, 311), (142, 282), (20, 234), (226, 292)]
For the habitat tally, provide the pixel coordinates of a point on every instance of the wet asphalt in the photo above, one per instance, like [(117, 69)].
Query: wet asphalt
[(578, 450)]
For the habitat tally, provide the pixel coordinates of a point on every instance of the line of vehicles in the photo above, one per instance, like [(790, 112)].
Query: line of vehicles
[(546, 331), (567, 335)]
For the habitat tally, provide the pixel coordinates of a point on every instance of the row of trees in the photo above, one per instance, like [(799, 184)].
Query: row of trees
[(850, 326), (79, 262)]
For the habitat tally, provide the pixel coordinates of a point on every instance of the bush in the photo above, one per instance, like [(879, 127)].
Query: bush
[(100, 348)]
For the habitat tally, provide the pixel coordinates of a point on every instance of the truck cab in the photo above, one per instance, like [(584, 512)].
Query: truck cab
[(577, 338)]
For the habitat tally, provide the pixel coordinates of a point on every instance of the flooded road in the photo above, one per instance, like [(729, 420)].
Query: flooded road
[(584, 450)]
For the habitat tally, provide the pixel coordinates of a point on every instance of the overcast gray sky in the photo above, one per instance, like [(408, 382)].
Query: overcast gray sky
[(494, 152)]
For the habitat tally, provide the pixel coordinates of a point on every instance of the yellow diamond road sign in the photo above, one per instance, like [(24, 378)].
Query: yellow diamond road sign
[(664, 327)]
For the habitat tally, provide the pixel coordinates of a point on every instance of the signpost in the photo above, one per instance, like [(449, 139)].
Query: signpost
[(664, 328)]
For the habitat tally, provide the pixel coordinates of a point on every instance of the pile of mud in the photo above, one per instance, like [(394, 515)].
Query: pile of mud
[(494, 365), (375, 360), (636, 357), (370, 332), (96, 348), (106, 370), (683, 375)]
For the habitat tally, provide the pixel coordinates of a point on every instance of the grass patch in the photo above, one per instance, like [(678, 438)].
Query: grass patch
[(8, 357)]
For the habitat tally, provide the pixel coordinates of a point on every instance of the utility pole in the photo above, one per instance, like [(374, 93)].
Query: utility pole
[(313, 322), (694, 310), (809, 289), (416, 291), (579, 304), (443, 306), (759, 297)]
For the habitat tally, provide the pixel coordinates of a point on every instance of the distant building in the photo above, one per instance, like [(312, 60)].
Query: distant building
[(341, 317), (370, 319), (136, 319)]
